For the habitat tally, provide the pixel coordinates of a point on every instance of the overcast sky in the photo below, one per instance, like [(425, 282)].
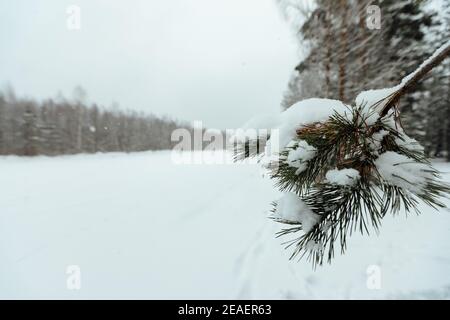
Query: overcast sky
[(219, 61)]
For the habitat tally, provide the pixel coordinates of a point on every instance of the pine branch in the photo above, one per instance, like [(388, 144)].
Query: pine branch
[(347, 141), (387, 171)]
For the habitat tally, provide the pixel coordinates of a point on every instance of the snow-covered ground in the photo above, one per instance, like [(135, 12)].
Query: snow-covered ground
[(140, 226)]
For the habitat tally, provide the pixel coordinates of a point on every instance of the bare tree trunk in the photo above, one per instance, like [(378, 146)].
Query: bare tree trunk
[(79, 129), (343, 49), (328, 60), (362, 36), (447, 120)]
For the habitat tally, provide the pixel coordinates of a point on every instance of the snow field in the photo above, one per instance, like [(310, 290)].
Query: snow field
[(140, 226)]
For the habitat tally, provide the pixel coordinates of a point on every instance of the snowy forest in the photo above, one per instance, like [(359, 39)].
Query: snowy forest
[(311, 161), (344, 57), (62, 126)]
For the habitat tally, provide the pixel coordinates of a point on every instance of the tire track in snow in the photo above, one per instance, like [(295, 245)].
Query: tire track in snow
[(248, 262)]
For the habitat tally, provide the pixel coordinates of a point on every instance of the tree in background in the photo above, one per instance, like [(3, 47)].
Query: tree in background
[(2, 123), (437, 102), (58, 126), (30, 132)]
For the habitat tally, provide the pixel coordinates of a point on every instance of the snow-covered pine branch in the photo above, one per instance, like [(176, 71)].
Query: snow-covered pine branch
[(343, 168)]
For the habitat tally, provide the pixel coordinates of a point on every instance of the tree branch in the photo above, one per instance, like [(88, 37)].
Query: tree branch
[(416, 76)]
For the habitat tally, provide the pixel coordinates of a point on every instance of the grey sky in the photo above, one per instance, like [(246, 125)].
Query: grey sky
[(219, 61)]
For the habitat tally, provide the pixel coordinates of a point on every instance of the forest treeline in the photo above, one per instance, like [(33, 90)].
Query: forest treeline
[(61, 126), (344, 55)]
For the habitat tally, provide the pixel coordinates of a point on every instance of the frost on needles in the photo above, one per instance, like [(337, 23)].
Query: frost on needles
[(342, 168)]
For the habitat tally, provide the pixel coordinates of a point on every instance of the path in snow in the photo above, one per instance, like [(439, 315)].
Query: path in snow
[(140, 226)]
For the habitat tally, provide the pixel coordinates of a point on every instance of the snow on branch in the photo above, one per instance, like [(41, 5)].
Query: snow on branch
[(343, 168)]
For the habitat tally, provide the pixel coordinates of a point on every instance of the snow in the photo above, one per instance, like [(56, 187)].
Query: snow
[(262, 121), (373, 97), (291, 208), (343, 177), (409, 143), (300, 154), (403, 172), (140, 226), (287, 122), (255, 127), (306, 112), (377, 139)]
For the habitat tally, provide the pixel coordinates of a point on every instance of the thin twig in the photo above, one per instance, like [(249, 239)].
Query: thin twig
[(415, 77)]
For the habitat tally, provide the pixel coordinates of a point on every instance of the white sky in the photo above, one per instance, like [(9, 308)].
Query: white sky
[(219, 61)]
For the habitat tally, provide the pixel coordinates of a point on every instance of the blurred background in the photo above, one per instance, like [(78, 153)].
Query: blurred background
[(100, 76), (89, 76), (86, 77)]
